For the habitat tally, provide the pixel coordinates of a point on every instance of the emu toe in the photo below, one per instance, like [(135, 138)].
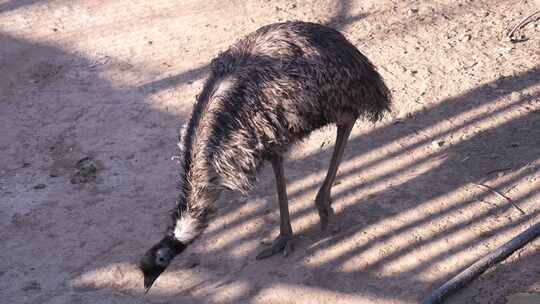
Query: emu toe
[(283, 243)]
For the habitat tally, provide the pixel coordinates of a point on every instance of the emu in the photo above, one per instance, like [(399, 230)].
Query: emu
[(266, 92)]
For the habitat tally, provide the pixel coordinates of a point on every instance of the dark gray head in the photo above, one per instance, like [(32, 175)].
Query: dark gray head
[(157, 258)]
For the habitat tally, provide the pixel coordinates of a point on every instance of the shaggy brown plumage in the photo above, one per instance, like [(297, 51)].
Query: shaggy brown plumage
[(265, 93)]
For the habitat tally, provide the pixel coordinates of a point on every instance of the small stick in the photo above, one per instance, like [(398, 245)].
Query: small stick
[(501, 195), (523, 22), (483, 264)]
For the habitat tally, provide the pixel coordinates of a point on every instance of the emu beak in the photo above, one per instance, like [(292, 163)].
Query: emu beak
[(148, 282)]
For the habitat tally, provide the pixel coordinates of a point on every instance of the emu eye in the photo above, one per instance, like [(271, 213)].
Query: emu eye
[(160, 260)]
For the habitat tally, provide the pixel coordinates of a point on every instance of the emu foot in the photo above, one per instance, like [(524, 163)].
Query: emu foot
[(325, 211), (283, 243)]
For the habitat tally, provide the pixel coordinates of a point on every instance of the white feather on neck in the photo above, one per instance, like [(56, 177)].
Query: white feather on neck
[(187, 228)]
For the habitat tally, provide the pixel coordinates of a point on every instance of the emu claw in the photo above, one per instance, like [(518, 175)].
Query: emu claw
[(283, 243)]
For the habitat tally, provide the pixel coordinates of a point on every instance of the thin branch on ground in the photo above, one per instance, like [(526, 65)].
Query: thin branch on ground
[(501, 195), (531, 18), (482, 265)]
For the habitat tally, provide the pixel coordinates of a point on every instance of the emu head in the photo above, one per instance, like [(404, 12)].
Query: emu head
[(157, 258)]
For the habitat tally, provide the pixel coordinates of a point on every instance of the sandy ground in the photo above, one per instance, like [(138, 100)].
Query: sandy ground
[(114, 80)]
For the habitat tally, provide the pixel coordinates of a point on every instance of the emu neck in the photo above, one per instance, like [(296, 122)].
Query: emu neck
[(198, 194), (201, 183)]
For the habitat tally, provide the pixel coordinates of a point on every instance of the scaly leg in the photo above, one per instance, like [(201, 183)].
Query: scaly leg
[(283, 243), (322, 201)]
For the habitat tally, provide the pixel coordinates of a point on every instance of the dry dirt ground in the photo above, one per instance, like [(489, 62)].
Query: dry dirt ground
[(113, 81)]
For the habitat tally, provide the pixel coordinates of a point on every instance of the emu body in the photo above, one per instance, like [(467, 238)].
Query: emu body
[(266, 92)]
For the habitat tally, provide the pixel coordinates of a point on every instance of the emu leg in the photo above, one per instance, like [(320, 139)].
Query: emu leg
[(322, 201), (283, 243)]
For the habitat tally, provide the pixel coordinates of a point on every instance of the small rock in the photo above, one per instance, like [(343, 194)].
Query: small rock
[(466, 37), (86, 171), (40, 186), (515, 96), (412, 11), (437, 143), (26, 165)]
